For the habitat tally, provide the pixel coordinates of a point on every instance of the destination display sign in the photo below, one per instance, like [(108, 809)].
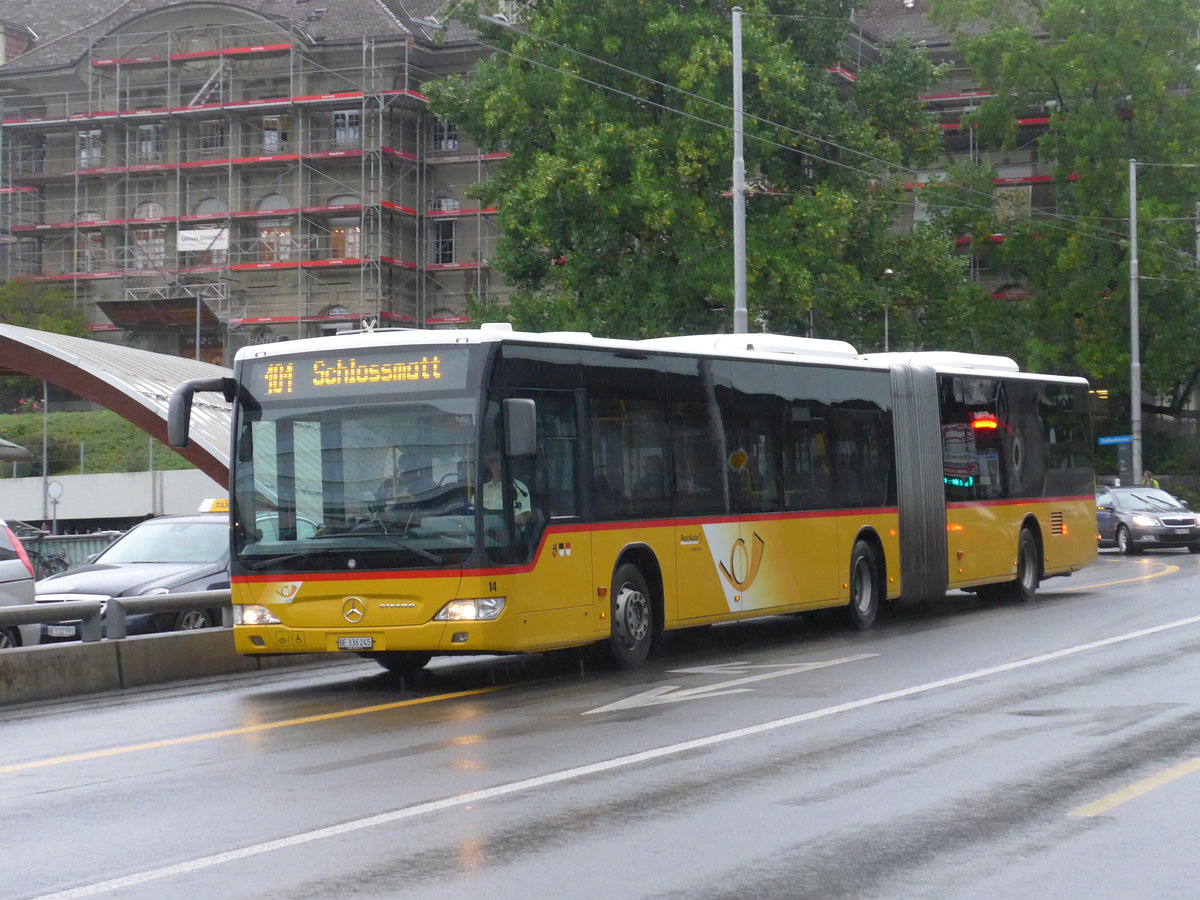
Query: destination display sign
[(367, 372)]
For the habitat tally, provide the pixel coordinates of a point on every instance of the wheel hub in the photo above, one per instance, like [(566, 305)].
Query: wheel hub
[(632, 615)]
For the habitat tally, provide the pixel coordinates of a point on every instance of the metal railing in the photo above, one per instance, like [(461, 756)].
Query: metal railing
[(108, 619)]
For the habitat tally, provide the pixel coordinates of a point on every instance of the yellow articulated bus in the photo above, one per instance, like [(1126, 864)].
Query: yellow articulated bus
[(405, 494)]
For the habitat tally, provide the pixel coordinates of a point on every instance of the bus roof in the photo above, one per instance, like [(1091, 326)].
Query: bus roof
[(750, 345)]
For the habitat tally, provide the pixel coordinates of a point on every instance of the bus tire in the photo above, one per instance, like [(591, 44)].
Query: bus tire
[(632, 612), (1025, 585), (402, 662), (866, 586)]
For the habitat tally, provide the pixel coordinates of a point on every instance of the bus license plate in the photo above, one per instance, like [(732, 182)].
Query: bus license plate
[(355, 643)]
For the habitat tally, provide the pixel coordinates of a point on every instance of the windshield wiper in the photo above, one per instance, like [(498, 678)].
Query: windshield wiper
[(260, 564), (278, 560)]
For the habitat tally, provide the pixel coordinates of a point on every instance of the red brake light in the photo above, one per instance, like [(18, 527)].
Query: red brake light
[(984, 420), (21, 554)]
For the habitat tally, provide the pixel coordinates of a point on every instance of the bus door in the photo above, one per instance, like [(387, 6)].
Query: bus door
[(552, 549), (810, 526)]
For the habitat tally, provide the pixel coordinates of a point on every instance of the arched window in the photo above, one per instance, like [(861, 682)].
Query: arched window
[(274, 201), (210, 206), (150, 209)]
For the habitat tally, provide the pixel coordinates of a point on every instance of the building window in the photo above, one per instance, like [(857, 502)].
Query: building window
[(445, 135), (212, 137), (346, 128), (89, 149), (442, 242), (275, 242), (345, 242), (275, 134), (149, 143), (150, 209), (149, 248), (89, 251)]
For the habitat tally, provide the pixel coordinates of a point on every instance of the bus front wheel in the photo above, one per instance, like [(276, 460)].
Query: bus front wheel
[(632, 618), (865, 586)]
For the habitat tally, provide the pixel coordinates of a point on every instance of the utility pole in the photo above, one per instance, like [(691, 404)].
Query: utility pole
[(1135, 361), (741, 322)]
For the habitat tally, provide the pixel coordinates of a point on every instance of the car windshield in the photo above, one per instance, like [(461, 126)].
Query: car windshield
[(1150, 498), (169, 541)]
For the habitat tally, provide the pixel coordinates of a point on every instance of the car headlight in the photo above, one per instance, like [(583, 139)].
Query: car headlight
[(156, 591), (253, 614), (1144, 521), (480, 609)]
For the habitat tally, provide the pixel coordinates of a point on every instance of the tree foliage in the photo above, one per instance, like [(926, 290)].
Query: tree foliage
[(1117, 79), (614, 203), (46, 307)]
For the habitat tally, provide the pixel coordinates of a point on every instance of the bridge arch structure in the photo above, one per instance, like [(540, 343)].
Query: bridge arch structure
[(135, 384)]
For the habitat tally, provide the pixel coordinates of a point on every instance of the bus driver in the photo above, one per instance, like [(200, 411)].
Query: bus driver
[(493, 491)]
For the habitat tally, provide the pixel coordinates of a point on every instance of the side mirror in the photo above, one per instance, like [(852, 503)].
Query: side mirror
[(520, 427)]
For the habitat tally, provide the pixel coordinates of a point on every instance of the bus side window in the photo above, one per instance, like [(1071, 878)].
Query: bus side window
[(608, 458), (557, 440)]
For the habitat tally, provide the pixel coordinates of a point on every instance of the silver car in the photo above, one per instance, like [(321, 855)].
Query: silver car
[(16, 580), (1139, 517)]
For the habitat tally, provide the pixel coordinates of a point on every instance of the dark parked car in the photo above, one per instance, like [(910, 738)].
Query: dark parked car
[(167, 555), (16, 581), (1136, 517)]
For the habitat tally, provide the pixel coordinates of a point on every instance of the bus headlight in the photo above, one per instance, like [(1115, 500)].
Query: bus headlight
[(253, 614), (480, 609)]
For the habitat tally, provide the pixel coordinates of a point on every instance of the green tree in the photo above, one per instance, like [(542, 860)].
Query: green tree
[(614, 204), (1118, 79), (45, 307)]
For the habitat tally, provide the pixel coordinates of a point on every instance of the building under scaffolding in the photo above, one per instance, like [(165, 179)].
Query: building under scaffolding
[(231, 174)]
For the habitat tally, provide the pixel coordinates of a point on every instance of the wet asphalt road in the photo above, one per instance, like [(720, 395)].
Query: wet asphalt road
[(970, 750)]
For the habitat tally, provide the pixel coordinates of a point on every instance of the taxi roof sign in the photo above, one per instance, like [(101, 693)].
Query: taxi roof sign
[(215, 505)]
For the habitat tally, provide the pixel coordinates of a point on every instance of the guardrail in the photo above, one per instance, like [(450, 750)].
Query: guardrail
[(114, 613)]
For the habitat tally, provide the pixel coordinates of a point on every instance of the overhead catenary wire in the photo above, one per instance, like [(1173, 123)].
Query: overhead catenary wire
[(1045, 219)]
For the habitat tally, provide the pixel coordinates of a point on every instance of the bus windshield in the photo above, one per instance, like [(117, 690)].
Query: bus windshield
[(366, 485)]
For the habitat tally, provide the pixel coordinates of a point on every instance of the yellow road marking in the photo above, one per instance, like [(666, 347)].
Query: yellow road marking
[(232, 732), (1166, 570), (1116, 798)]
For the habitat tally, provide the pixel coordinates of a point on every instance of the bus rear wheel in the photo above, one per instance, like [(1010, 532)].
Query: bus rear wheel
[(402, 662), (632, 618), (1025, 585), (866, 586)]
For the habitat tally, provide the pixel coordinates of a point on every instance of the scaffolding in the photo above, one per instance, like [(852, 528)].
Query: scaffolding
[(289, 188)]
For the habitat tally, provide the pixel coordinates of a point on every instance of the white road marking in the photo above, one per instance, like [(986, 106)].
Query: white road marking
[(670, 693), (596, 768)]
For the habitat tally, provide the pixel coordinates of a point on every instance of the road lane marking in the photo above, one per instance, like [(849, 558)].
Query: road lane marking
[(1168, 569), (1125, 794), (596, 768), (250, 729), (234, 732), (672, 693)]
